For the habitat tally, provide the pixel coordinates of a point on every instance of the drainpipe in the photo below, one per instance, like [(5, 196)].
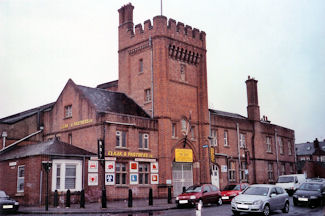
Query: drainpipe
[(238, 146), (4, 135), (152, 84), (277, 152)]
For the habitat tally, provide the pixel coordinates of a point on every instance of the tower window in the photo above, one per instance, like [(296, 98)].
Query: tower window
[(147, 95), (141, 66), (183, 72), (68, 111)]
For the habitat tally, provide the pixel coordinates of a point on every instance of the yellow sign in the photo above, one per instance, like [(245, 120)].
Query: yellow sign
[(212, 154), (183, 155), (77, 123), (129, 154)]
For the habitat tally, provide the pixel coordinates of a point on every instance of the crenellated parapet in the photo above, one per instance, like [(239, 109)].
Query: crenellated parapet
[(160, 26)]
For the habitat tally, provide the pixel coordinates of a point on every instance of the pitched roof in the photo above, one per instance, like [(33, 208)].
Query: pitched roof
[(309, 148), (53, 147), (22, 115), (226, 114), (108, 84), (109, 101)]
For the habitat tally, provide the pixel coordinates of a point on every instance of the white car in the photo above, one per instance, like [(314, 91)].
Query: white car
[(261, 198)]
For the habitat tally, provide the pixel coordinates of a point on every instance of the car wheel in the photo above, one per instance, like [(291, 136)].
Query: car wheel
[(219, 201), (236, 213), (286, 208), (266, 210)]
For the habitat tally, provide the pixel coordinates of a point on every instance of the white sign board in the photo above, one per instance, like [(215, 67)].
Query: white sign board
[(109, 179), (109, 166), (92, 166), (154, 179), (133, 166), (154, 167), (92, 179), (134, 179), (224, 168)]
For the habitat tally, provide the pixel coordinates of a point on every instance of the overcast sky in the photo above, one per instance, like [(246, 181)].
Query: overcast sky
[(281, 43)]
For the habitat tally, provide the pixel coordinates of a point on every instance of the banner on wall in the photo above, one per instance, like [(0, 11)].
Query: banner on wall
[(183, 155), (92, 179)]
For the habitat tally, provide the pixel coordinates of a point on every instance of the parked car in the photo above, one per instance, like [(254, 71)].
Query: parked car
[(7, 204), (232, 190), (206, 193), (291, 182), (261, 198), (311, 193)]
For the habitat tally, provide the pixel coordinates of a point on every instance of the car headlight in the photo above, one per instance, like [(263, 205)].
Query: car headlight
[(313, 197), (233, 201), (177, 198), (16, 203), (192, 197), (257, 202)]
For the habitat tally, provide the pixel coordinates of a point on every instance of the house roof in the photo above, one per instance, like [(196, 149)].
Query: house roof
[(305, 148), (22, 115), (108, 84), (53, 147), (109, 101), (227, 114)]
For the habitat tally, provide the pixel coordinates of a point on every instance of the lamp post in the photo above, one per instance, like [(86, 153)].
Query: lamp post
[(47, 167)]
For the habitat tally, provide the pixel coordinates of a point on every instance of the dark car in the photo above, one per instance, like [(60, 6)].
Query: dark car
[(206, 193), (232, 190), (311, 193), (7, 204)]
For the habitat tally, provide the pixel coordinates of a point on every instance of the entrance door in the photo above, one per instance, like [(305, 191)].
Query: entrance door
[(215, 175), (182, 177)]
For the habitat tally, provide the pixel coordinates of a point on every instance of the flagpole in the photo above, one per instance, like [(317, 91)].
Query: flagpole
[(161, 7)]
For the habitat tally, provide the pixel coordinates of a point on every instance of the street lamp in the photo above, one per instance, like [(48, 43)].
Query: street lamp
[(47, 167)]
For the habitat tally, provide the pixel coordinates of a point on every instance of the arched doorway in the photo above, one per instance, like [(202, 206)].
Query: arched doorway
[(182, 176), (215, 175)]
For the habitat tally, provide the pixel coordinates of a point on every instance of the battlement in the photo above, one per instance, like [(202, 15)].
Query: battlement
[(159, 26)]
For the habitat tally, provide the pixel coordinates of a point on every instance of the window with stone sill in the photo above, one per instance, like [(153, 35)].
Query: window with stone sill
[(143, 140), (147, 95), (232, 171), (225, 138), (174, 135), (268, 144), (120, 169), (68, 111), (289, 148), (20, 178), (121, 139), (214, 140), (242, 140), (144, 173), (270, 171)]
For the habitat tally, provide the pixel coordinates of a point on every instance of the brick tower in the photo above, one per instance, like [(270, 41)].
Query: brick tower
[(253, 109), (162, 66)]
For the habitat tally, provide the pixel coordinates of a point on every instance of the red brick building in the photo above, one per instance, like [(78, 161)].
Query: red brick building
[(154, 123)]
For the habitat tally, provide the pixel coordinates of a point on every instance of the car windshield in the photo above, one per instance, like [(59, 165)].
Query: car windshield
[(286, 179), (310, 187), (193, 188), (3, 194), (232, 187), (262, 191)]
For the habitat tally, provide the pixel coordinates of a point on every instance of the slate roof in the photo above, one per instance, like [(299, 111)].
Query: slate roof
[(108, 84), (308, 148), (227, 114), (53, 147), (109, 101), (22, 115)]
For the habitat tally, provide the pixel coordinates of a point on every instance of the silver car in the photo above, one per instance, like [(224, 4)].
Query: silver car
[(262, 198)]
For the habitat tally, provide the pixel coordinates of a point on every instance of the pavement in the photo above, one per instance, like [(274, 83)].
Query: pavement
[(113, 207)]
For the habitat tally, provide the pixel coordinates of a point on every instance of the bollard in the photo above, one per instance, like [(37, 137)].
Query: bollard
[(184, 189), (198, 208), (169, 195), (82, 198), (150, 197), (56, 199), (67, 203), (104, 198), (130, 199)]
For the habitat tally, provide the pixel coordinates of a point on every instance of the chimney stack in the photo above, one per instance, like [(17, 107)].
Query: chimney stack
[(253, 110), (126, 16)]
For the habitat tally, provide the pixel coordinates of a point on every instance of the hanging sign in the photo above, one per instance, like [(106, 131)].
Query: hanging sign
[(212, 155), (154, 167), (92, 179), (133, 178), (154, 178), (183, 155), (92, 166), (109, 166), (109, 179), (133, 166)]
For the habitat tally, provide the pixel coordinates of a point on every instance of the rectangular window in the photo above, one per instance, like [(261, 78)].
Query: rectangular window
[(20, 178), (242, 142), (147, 95), (214, 140), (67, 174), (283, 172), (268, 144), (141, 66), (280, 145), (270, 171), (121, 139), (70, 176), (183, 72), (120, 173), (289, 148), (144, 173), (232, 171), (243, 173), (70, 138), (193, 132), (68, 111), (174, 130), (225, 138), (143, 141)]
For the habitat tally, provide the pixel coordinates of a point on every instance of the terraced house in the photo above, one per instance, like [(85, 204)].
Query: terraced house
[(152, 127)]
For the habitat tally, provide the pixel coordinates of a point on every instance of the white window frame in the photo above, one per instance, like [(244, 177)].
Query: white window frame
[(242, 141), (63, 163), (193, 132), (270, 172), (280, 145), (121, 173), (268, 144), (243, 175), (225, 138), (144, 175), (289, 148), (174, 135), (68, 111), (144, 137), (147, 95), (20, 178), (232, 171), (119, 134), (214, 135)]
